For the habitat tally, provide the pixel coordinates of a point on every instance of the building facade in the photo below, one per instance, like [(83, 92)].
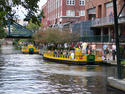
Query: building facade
[(100, 12), (63, 11)]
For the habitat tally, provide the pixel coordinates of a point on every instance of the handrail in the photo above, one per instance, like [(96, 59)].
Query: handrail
[(106, 21), (63, 56)]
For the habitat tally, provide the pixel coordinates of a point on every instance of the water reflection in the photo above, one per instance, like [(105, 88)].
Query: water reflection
[(29, 74)]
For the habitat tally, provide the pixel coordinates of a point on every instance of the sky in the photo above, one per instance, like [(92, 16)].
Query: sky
[(42, 2), (21, 12)]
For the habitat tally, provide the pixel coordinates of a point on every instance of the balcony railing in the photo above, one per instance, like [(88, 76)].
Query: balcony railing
[(103, 38), (98, 22), (96, 38)]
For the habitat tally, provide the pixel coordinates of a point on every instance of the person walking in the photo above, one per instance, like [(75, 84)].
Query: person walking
[(105, 48), (107, 53)]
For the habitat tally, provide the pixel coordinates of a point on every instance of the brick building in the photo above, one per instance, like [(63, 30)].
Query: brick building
[(101, 14), (63, 11)]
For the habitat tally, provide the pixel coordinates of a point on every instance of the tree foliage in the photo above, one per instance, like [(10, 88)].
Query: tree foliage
[(2, 33), (32, 26), (53, 36), (6, 11)]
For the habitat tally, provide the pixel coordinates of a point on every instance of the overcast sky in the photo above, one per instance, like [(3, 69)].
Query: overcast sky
[(41, 3), (21, 11)]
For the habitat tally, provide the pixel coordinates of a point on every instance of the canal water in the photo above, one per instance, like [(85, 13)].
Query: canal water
[(30, 74)]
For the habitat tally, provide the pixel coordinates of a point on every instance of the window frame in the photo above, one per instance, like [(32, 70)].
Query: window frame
[(82, 11), (71, 13), (80, 2), (70, 2)]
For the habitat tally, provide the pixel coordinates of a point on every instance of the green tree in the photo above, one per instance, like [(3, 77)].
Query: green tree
[(7, 12), (53, 36), (32, 26), (2, 33), (31, 6)]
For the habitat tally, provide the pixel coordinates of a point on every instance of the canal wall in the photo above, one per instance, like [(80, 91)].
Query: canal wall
[(116, 83)]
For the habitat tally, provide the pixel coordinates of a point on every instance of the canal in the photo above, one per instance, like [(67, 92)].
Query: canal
[(29, 74)]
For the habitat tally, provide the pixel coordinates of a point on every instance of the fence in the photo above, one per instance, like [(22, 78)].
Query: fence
[(106, 21), (95, 38)]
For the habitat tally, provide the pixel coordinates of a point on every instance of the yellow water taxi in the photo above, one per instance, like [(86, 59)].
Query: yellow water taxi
[(30, 49), (78, 58)]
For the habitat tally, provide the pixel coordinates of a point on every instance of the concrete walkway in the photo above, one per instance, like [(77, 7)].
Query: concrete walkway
[(112, 62), (116, 83), (113, 82)]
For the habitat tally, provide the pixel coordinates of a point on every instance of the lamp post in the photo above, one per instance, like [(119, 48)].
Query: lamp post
[(117, 39)]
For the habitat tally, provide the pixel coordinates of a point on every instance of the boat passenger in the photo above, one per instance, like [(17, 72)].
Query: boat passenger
[(84, 46), (64, 52), (72, 55), (93, 46), (89, 50), (61, 52), (55, 52)]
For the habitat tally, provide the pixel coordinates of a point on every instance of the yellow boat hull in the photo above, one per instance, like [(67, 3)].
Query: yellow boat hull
[(80, 60), (30, 49)]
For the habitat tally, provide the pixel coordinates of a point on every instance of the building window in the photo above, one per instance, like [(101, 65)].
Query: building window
[(109, 9), (109, 4), (82, 13), (70, 13), (82, 2), (70, 2)]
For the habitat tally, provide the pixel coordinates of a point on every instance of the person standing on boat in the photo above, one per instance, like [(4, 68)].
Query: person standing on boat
[(65, 45), (72, 55), (93, 48), (84, 46), (89, 50)]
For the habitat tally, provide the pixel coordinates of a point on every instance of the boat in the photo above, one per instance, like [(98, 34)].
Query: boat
[(79, 59), (30, 49)]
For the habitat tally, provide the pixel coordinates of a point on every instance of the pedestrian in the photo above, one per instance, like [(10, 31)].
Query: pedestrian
[(107, 53), (104, 50)]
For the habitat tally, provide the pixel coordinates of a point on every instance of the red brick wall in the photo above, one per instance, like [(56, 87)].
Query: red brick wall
[(96, 3), (49, 16), (75, 7)]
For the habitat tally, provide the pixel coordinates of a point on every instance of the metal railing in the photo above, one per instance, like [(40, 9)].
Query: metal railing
[(17, 30), (62, 56), (96, 38), (106, 21)]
